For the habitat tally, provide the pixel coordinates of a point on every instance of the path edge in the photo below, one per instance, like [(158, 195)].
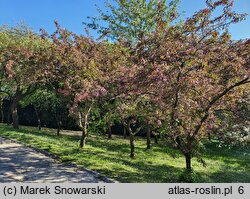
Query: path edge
[(56, 158)]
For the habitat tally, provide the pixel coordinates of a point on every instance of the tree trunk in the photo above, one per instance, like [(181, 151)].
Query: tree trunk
[(132, 145), (209, 136), (2, 115), (109, 131), (124, 132), (9, 113), (58, 131), (155, 137), (148, 138), (131, 137), (188, 162), (14, 113), (85, 126), (59, 124), (84, 135), (38, 118)]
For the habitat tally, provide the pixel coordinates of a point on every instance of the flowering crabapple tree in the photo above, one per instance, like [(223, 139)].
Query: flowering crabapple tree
[(83, 70), (192, 71), (21, 59)]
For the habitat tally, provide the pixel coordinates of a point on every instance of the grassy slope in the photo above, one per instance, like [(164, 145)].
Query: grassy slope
[(111, 158)]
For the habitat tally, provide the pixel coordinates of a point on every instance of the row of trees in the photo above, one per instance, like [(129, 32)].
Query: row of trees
[(148, 70)]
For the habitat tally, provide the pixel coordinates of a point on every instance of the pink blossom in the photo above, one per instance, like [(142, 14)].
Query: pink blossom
[(64, 92), (159, 123)]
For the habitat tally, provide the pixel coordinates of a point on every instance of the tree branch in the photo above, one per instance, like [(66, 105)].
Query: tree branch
[(214, 100)]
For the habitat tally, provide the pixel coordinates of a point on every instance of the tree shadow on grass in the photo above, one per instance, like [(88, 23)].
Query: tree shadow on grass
[(229, 174), (137, 170), (126, 170)]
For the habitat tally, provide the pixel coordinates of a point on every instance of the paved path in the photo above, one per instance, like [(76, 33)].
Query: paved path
[(22, 164)]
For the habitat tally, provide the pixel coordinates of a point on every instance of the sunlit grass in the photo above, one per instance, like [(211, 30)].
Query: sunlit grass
[(111, 157)]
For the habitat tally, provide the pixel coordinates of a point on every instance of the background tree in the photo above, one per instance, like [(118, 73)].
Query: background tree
[(44, 99), (133, 20), (231, 126), (135, 114), (128, 112), (109, 116)]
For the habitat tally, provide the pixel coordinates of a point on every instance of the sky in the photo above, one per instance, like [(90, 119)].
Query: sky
[(71, 13)]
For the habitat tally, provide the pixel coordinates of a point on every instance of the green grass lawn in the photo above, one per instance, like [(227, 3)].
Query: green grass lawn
[(111, 157)]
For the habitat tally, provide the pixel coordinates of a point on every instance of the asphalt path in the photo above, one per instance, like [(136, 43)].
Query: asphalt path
[(19, 163)]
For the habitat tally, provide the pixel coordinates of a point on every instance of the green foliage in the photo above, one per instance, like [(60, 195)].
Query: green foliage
[(232, 125), (132, 20), (44, 99), (97, 122)]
